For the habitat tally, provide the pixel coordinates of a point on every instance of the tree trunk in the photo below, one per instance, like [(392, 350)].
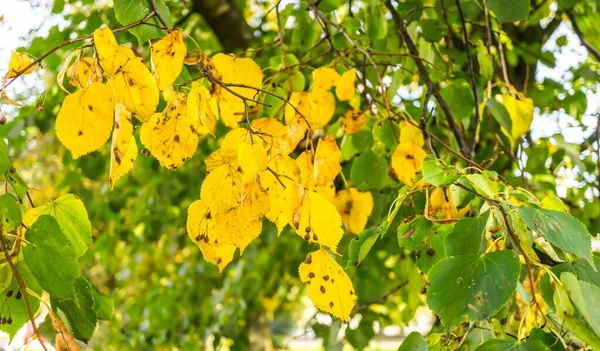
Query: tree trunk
[(227, 22)]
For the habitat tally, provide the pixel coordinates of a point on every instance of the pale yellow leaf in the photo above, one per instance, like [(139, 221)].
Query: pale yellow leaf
[(85, 119), (84, 72), (112, 56), (167, 58), (170, 136), (521, 114), (410, 133), (345, 88), (134, 86), (18, 62), (124, 148), (329, 287), (355, 208), (327, 161), (407, 161), (202, 109), (242, 71), (222, 188)]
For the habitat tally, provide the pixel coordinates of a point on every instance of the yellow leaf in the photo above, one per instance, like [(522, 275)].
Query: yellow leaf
[(134, 86), (317, 220), (521, 114), (325, 108), (222, 188), (239, 71), (345, 88), (355, 208), (284, 138), (314, 109), (410, 133), (252, 158), (18, 61), (123, 148), (327, 161), (327, 191), (353, 121), (307, 174), (241, 225), (170, 136), (324, 79), (407, 161), (112, 56), (167, 58), (85, 119), (84, 72), (329, 287), (202, 109), (200, 228), (441, 204), (285, 174)]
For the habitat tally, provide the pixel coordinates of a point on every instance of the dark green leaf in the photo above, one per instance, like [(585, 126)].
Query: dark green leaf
[(104, 305), (510, 10), (412, 234), (585, 297), (4, 159), (13, 301), (459, 97), (368, 171), (414, 342), (500, 113), (506, 345), (82, 315), (433, 30), (51, 258), (468, 236), (472, 287)]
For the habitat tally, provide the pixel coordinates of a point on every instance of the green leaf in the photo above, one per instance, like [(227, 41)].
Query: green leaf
[(69, 211), (275, 105), (500, 114), (13, 304), (368, 171), (560, 229), (506, 345), (472, 287), (437, 173), (386, 132), (4, 159), (585, 296), (412, 234), (482, 184), (414, 342), (459, 97), (10, 212), (129, 11), (433, 247), (82, 316), (467, 236), (297, 81), (433, 30), (510, 10), (51, 258), (360, 247), (355, 143), (104, 305)]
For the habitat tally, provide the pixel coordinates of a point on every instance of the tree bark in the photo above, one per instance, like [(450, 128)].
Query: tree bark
[(227, 22)]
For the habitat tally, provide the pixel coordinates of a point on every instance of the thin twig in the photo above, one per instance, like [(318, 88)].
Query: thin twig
[(157, 13), (471, 76), (403, 33), (581, 37), (380, 298)]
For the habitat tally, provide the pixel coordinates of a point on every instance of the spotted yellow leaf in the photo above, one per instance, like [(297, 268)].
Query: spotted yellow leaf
[(238, 71), (314, 109), (285, 174), (124, 148), (111, 55), (345, 88), (253, 158), (134, 86), (327, 161), (171, 136), (353, 121), (307, 169), (441, 204), (355, 208), (329, 287), (317, 220), (200, 228), (84, 72), (324, 79), (284, 138), (18, 62), (167, 58), (222, 188), (85, 119), (407, 161), (410, 133), (202, 109)]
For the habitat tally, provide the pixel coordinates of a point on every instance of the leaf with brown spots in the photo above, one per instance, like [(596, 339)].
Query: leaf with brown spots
[(329, 287), (123, 151)]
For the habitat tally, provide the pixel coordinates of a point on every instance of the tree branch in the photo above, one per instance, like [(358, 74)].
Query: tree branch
[(584, 42), (380, 298), (403, 32)]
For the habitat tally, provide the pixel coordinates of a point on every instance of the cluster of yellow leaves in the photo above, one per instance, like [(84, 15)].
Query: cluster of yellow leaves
[(408, 156), (315, 109)]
